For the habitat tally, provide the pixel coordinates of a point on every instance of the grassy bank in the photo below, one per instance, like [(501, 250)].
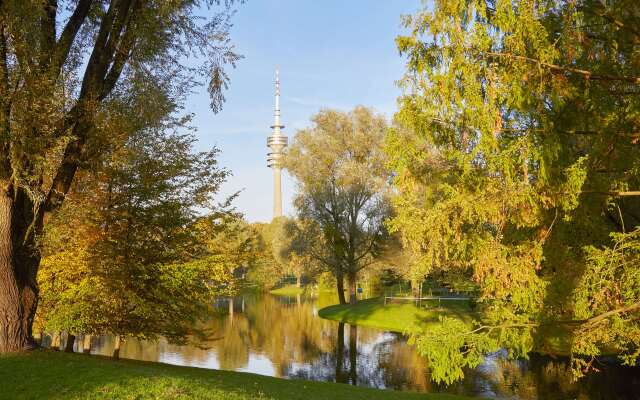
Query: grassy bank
[(289, 290), (57, 376), (397, 316)]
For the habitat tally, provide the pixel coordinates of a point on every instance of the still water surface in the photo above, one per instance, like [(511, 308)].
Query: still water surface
[(284, 337)]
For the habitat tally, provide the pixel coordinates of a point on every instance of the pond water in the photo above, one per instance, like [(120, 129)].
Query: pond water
[(284, 337)]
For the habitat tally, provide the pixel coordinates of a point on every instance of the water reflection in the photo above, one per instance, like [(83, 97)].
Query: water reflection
[(284, 337), (347, 374)]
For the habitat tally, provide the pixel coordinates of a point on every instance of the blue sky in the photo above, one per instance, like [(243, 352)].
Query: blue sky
[(331, 54)]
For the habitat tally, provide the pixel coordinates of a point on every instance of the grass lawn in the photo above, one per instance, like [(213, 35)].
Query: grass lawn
[(397, 316), (289, 290), (52, 375)]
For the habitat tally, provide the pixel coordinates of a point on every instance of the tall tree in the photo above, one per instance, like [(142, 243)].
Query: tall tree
[(342, 188), (523, 153), (125, 253), (61, 62)]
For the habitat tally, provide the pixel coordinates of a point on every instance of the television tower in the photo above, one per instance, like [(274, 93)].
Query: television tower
[(276, 142)]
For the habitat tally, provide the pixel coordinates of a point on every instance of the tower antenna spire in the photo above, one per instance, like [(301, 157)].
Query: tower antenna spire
[(276, 142), (276, 117)]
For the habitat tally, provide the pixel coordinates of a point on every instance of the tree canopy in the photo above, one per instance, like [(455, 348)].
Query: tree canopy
[(517, 158), (129, 253), (342, 188)]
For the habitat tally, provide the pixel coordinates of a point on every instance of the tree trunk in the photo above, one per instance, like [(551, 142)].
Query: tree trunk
[(86, 344), (298, 280), (340, 285), (80, 342), (68, 347), (19, 262), (55, 341), (116, 348), (352, 288), (415, 290)]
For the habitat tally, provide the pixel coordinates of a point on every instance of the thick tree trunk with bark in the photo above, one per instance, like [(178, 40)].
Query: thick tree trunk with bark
[(19, 262), (116, 347), (340, 285), (68, 347), (352, 288)]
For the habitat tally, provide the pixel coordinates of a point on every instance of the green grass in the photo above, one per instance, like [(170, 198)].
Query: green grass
[(397, 316), (289, 290), (56, 376)]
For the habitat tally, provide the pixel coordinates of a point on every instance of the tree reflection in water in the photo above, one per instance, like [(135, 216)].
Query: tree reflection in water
[(342, 374), (339, 361), (284, 337)]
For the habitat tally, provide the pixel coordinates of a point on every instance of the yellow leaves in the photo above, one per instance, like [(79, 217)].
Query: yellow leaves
[(344, 147)]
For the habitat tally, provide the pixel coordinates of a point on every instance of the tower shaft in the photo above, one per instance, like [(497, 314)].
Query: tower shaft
[(277, 192)]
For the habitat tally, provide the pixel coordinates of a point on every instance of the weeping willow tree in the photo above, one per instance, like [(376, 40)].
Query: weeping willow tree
[(517, 167)]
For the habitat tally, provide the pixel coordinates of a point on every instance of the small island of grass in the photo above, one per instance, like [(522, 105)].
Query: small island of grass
[(396, 316), (288, 290)]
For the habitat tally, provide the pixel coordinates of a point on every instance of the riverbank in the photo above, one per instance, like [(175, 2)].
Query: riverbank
[(56, 376), (398, 316)]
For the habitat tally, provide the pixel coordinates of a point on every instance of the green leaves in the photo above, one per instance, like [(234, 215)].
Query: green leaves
[(510, 150), (607, 299), (129, 253), (450, 347), (576, 174)]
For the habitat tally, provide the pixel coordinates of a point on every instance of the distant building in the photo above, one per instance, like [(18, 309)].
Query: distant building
[(276, 142)]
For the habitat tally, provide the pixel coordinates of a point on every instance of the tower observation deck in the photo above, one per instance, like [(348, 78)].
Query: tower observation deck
[(276, 142)]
